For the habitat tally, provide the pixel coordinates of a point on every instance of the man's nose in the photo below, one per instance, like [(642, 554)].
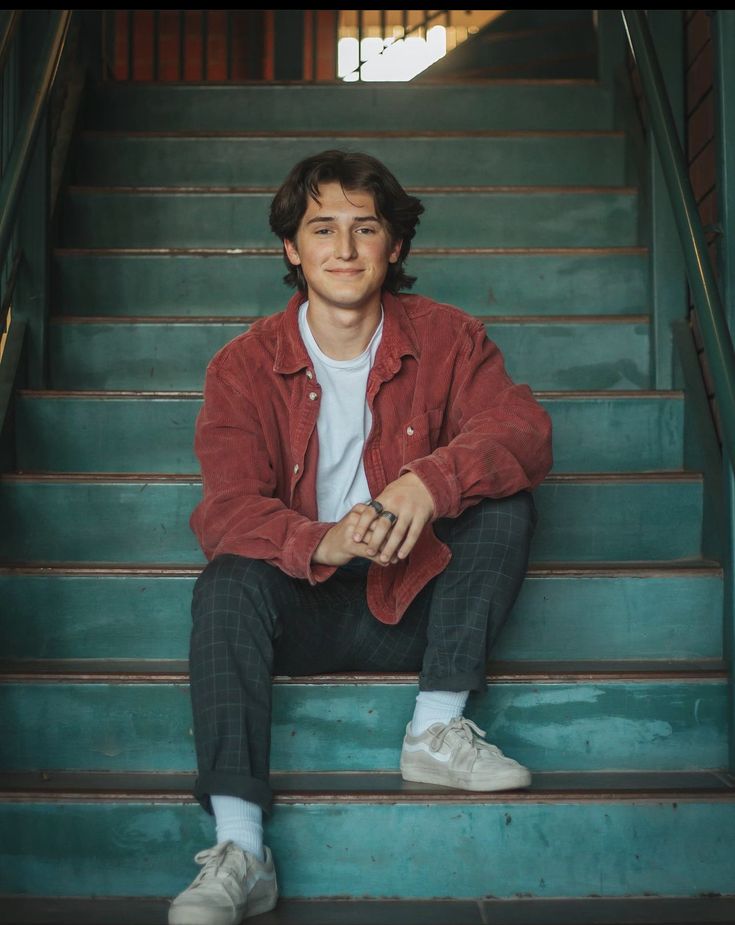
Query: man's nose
[(344, 245)]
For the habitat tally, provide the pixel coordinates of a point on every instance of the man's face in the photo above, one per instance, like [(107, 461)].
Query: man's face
[(343, 249)]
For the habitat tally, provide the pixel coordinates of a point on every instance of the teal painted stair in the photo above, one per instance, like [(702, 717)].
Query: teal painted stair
[(609, 678)]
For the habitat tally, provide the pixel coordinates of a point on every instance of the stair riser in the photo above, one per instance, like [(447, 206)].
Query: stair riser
[(554, 618), (651, 847), (148, 522), (153, 355), (518, 284), (553, 160), (500, 107), (539, 219), (156, 434), (586, 726)]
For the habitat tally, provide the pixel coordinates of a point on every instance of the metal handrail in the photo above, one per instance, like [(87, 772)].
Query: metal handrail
[(712, 321), (6, 38), (12, 183)]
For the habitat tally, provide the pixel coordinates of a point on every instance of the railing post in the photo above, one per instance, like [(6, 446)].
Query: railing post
[(723, 36), (31, 293), (667, 274), (289, 48)]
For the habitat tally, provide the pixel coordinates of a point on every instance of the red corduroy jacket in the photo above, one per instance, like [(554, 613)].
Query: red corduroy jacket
[(443, 407)]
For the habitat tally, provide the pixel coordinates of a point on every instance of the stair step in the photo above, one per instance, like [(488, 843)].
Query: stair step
[(569, 353), (515, 217), (501, 282), (417, 159), (117, 835), (569, 716), (144, 518), (671, 611), (153, 431), (499, 105), (682, 910)]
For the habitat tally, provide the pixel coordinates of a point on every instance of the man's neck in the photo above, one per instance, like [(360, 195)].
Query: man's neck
[(341, 333)]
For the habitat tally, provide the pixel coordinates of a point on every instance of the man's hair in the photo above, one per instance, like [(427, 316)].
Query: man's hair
[(353, 171)]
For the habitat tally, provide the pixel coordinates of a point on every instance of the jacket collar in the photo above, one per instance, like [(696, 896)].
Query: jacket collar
[(398, 338)]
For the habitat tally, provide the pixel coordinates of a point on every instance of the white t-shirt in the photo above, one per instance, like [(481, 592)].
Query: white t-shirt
[(343, 423)]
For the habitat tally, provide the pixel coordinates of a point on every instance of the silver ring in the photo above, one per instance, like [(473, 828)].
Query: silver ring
[(375, 505), (389, 515)]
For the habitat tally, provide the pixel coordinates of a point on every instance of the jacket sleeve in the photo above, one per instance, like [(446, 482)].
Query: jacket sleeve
[(239, 512), (502, 435)]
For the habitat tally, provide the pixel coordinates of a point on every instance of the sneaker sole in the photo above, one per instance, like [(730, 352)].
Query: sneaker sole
[(195, 916), (198, 915), (258, 908), (515, 781)]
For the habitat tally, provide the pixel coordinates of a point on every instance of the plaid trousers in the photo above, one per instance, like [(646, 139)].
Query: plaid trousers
[(251, 621)]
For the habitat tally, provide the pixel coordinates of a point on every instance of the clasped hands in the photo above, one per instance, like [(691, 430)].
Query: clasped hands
[(363, 532)]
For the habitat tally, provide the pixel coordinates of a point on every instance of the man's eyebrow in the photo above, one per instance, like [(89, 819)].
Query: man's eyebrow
[(331, 218)]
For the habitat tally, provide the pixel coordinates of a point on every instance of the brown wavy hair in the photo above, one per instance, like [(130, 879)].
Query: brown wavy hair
[(353, 171)]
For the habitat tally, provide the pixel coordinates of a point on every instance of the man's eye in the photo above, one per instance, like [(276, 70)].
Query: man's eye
[(323, 230), (367, 230)]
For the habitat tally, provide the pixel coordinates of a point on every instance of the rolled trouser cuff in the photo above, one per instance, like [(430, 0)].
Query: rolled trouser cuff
[(225, 783)]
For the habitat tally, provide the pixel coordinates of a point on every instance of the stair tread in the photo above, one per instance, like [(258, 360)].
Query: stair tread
[(278, 252), (236, 320), (176, 671), (371, 786), (132, 910), (568, 569), (181, 189), (664, 475), (422, 133), (546, 395)]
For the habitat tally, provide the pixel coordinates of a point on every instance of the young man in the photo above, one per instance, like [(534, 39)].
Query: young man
[(367, 467)]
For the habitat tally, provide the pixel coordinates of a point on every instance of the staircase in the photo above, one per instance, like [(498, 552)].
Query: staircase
[(609, 681), (527, 44)]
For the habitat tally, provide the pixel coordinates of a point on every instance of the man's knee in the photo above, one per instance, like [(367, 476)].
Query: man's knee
[(510, 520), (233, 589), (519, 509)]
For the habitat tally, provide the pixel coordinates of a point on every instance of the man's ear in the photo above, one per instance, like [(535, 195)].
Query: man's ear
[(291, 252), (395, 251)]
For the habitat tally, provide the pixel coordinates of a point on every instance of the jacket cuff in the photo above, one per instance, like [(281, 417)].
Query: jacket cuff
[(300, 548), (442, 486)]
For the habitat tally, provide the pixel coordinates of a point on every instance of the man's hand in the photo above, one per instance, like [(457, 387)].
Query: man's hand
[(411, 502), (361, 532), (338, 545)]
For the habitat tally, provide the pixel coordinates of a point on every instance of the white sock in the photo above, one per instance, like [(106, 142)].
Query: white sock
[(436, 707), (239, 821)]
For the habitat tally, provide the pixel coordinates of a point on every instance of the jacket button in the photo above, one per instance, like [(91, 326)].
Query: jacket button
[(296, 469), (309, 374), (313, 396), (409, 431)]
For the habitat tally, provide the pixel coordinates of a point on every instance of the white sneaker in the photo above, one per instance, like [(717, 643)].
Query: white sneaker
[(232, 885), (449, 754)]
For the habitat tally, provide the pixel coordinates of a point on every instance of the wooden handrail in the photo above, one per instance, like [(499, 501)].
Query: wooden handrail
[(12, 182), (6, 39), (710, 312)]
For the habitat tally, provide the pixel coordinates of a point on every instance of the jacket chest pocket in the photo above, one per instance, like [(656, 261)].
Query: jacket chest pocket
[(421, 434)]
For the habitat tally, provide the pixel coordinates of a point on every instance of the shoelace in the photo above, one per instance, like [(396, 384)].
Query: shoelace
[(464, 727), (212, 859)]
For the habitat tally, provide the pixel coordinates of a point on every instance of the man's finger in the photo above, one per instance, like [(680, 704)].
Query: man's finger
[(367, 518), (381, 528), (410, 541), (395, 538)]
